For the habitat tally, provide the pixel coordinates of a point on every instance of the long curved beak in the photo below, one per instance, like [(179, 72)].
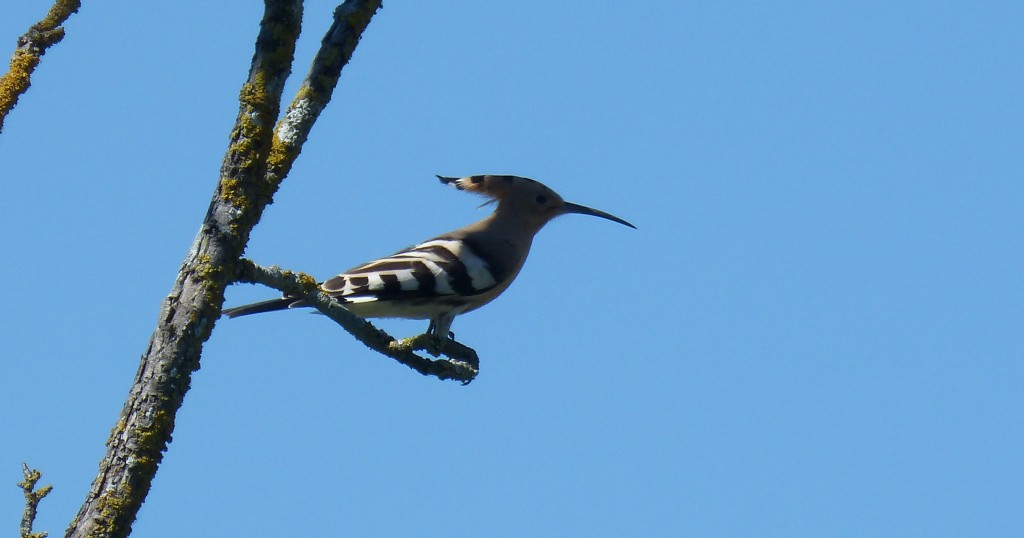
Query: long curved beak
[(570, 207)]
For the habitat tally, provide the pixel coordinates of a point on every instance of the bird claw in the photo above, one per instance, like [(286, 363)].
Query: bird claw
[(434, 344)]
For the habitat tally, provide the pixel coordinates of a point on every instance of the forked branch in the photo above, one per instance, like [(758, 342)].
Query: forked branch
[(254, 165), (32, 498)]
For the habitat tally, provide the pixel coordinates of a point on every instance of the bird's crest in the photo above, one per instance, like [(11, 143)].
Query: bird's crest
[(532, 201), (494, 187)]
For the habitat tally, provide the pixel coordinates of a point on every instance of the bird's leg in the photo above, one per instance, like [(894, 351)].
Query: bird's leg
[(439, 326), (434, 342)]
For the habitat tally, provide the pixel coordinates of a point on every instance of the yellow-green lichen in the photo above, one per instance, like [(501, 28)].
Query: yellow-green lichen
[(281, 157), (307, 281), (202, 267), (111, 505), (152, 441), (248, 130), (254, 93), (232, 192), (304, 93), (212, 277), (40, 37), (59, 12), (17, 80)]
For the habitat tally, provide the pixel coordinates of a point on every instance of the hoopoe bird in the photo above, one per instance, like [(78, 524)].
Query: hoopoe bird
[(453, 273)]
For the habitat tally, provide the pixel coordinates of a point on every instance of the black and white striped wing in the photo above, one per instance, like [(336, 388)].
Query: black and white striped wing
[(441, 268)]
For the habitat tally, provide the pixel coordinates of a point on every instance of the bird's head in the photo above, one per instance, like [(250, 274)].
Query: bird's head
[(524, 198)]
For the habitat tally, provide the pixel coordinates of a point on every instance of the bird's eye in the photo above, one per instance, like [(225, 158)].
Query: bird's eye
[(541, 199)]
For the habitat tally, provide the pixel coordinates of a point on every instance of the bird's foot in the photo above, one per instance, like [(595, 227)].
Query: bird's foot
[(437, 345), (434, 343)]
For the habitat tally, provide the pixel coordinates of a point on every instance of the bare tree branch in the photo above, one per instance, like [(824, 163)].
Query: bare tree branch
[(253, 167), (350, 19), (464, 365), (32, 499), (136, 444), (31, 47)]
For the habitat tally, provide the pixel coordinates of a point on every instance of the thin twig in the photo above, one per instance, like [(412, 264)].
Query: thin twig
[(32, 498), (31, 47), (462, 366)]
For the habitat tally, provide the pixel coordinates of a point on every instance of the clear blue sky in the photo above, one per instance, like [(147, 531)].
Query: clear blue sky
[(816, 330)]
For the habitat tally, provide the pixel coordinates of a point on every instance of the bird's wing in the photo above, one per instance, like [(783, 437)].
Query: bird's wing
[(437, 268)]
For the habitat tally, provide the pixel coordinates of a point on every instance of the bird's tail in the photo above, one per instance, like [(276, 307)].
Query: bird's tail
[(258, 308)]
